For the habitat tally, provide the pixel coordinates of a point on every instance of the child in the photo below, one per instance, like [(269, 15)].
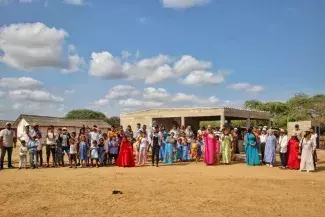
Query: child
[(94, 154), (218, 150), (186, 149), (136, 146), (143, 151), (59, 154), (22, 155), (39, 150), (32, 148), (113, 150), (194, 151), (83, 147), (162, 148), (106, 148), (101, 152), (179, 154), (73, 152)]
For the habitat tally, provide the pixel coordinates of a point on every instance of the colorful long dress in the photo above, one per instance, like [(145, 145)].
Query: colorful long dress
[(293, 153), (226, 148), (179, 153), (168, 158), (83, 150), (186, 156), (251, 149), (162, 151), (307, 159), (270, 146), (209, 148), (125, 157)]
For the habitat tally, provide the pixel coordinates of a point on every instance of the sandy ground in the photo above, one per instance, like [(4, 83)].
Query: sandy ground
[(179, 190)]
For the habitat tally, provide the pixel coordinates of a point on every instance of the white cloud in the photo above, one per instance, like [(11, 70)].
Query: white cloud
[(214, 100), (160, 74), (203, 77), (105, 65), (75, 2), (189, 64), (137, 54), (21, 83), (121, 91), (182, 4), (100, 102), (34, 96), (247, 87), (2, 94), (179, 97), (152, 93), (69, 91), (126, 54), (75, 63), (17, 106), (134, 103)]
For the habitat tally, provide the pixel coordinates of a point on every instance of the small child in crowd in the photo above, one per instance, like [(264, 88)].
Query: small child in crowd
[(113, 150), (101, 152), (23, 155), (39, 150), (83, 147), (32, 148), (94, 154), (200, 145), (73, 152), (143, 150), (218, 150), (179, 154), (186, 150), (194, 151)]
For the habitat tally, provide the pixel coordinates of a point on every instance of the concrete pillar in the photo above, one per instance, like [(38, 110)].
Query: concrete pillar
[(222, 120), (183, 121), (248, 122)]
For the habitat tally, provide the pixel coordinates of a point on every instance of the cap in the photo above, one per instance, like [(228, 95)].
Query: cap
[(64, 128), (35, 124), (8, 123)]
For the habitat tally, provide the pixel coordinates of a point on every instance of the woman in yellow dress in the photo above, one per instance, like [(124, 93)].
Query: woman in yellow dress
[(226, 147)]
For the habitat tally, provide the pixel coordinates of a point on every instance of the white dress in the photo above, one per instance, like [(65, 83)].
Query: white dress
[(307, 161)]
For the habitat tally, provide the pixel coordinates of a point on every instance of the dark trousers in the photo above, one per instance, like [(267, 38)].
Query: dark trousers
[(315, 158), (155, 154), (262, 150), (3, 154), (283, 157), (50, 149), (40, 157)]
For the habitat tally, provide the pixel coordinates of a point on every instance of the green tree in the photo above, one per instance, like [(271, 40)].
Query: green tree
[(114, 121), (85, 114)]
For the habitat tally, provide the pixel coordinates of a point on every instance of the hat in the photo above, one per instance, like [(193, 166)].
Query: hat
[(8, 123), (264, 128), (64, 128), (282, 131), (35, 124)]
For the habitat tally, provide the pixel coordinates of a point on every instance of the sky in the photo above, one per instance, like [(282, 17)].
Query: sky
[(118, 56)]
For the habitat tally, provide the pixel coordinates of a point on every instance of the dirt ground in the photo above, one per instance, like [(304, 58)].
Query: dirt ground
[(178, 190)]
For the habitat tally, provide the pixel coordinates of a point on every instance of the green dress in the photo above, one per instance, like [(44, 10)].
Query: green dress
[(226, 148)]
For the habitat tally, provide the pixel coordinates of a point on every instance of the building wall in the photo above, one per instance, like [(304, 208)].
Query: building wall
[(21, 127), (133, 121)]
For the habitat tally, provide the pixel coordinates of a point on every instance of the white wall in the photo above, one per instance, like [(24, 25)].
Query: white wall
[(21, 127)]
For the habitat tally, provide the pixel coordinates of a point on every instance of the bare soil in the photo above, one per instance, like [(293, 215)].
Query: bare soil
[(179, 190)]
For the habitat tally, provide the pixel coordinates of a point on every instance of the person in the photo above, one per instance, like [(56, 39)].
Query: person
[(179, 153), (125, 157), (283, 143), (200, 147), (186, 150), (226, 146), (32, 148), (83, 147), (39, 154), (7, 140), (314, 138), (175, 131), (64, 138), (235, 149), (251, 149), (23, 155), (94, 154), (189, 134), (101, 152), (58, 150), (263, 143), (35, 131), (307, 148), (113, 150), (169, 149), (143, 147), (156, 139), (162, 147), (94, 135), (293, 152), (51, 141), (25, 136), (210, 142), (298, 132), (73, 152), (270, 146), (138, 130), (129, 133)]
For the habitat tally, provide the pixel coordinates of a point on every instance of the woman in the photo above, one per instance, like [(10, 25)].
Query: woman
[(307, 159), (169, 149), (251, 149), (125, 157), (226, 146), (293, 152), (270, 146), (209, 146)]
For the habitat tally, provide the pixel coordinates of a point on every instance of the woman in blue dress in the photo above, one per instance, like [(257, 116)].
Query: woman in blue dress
[(169, 146), (270, 146), (179, 153), (186, 150), (162, 149), (251, 148)]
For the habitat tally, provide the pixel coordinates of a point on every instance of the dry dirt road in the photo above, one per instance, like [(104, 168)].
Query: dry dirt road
[(178, 190)]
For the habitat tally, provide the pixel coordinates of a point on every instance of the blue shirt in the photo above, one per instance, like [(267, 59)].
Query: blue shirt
[(32, 145), (113, 149)]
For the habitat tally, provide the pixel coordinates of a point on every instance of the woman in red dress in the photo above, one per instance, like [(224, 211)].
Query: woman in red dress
[(125, 157), (293, 152)]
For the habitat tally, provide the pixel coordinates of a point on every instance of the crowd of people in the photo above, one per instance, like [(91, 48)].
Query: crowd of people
[(128, 148)]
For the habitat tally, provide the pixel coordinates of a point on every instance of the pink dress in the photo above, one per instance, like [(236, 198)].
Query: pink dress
[(210, 143)]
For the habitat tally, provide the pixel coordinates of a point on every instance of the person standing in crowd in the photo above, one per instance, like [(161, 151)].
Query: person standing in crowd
[(73, 152), (314, 138), (39, 153), (162, 147), (298, 132), (94, 135), (32, 148), (35, 131), (226, 148), (307, 148), (25, 136), (138, 130), (58, 149), (64, 138), (51, 141), (156, 139), (23, 155), (83, 147), (270, 147), (263, 143), (129, 134), (235, 143), (101, 152), (175, 131), (7, 140), (186, 150), (125, 157), (283, 143), (251, 149), (113, 150), (293, 152), (209, 146), (94, 154), (143, 147), (169, 149)]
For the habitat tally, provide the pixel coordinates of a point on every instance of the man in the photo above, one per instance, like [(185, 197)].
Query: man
[(314, 139), (263, 143), (25, 136), (156, 138), (189, 135), (94, 135), (7, 140), (138, 130), (51, 141), (35, 131), (298, 131), (64, 139), (283, 143)]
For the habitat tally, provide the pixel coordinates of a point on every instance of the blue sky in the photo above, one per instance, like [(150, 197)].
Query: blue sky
[(59, 55)]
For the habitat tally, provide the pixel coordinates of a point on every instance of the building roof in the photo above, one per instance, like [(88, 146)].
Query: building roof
[(45, 121), (3, 123)]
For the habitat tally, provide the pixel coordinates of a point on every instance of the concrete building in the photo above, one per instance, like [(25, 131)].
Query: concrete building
[(191, 116), (304, 126)]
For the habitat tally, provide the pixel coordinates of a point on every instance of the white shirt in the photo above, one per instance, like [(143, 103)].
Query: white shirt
[(40, 145), (25, 137), (64, 140), (8, 137), (283, 142), (73, 149), (263, 138), (143, 143), (23, 151), (314, 139), (51, 139), (94, 136)]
